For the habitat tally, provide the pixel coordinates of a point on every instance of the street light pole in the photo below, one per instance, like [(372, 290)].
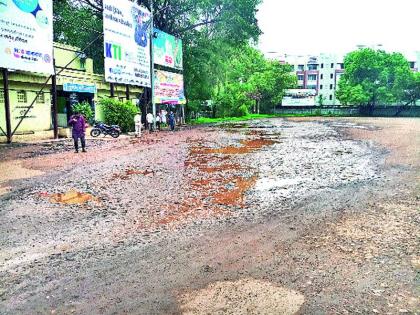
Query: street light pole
[(152, 65)]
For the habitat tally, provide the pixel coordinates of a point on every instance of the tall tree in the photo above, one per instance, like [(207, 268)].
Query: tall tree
[(251, 81), (211, 30), (373, 77)]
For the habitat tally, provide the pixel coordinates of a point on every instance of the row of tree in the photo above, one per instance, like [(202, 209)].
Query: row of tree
[(220, 62), (375, 77)]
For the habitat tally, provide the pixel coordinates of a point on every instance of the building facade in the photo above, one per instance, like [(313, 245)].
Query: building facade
[(77, 83)]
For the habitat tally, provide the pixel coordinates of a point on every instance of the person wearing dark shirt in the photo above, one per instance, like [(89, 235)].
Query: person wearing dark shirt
[(78, 123)]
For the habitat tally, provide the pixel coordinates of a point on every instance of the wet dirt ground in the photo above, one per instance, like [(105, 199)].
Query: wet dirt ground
[(280, 216)]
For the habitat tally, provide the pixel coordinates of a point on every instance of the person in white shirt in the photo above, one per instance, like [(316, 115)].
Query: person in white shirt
[(137, 124), (149, 118), (163, 116)]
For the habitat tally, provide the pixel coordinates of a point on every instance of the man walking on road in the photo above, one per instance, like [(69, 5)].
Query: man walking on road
[(172, 120), (149, 118), (78, 123), (137, 124)]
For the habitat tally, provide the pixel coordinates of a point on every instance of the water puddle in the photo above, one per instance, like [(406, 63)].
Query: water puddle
[(72, 197), (247, 146), (217, 179), (235, 196)]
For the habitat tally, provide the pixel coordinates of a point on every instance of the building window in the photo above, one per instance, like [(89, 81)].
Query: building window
[(301, 67), (312, 67), (41, 98), (312, 77), (321, 87), (2, 97), (21, 97), (300, 77), (331, 86), (330, 97), (341, 65), (332, 76), (412, 64), (322, 76), (322, 66), (332, 65), (312, 87)]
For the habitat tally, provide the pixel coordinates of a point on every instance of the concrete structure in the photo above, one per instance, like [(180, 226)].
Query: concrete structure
[(322, 73), (75, 84)]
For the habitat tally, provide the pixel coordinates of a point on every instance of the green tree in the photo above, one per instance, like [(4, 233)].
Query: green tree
[(373, 77), (411, 91), (251, 81), (210, 30), (78, 26)]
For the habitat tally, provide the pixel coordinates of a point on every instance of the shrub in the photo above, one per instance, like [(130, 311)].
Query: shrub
[(119, 113), (241, 111), (84, 109)]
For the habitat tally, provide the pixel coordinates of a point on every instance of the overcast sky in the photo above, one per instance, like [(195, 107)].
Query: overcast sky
[(337, 26)]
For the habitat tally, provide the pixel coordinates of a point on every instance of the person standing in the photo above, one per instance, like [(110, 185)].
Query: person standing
[(163, 117), (149, 118), (172, 120), (158, 121), (78, 124), (137, 124)]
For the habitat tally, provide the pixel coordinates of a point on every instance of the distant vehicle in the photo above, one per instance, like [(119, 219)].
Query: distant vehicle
[(100, 128)]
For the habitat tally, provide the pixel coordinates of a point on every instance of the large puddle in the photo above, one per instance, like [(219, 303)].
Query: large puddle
[(217, 179)]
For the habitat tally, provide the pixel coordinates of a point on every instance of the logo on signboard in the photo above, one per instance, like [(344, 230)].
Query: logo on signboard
[(33, 7), (113, 51)]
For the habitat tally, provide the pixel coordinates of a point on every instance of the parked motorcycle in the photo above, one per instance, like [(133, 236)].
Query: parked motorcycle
[(100, 128)]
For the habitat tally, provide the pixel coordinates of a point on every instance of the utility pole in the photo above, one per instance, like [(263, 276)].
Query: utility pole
[(54, 104), (112, 90), (127, 92), (7, 105), (152, 65)]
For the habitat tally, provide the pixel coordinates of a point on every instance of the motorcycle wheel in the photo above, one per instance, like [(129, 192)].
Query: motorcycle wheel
[(115, 134), (95, 132)]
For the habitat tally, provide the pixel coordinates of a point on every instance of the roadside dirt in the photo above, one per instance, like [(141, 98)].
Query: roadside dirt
[(282, 216)]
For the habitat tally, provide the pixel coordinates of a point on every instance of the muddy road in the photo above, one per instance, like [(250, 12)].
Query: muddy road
[(280, 216)]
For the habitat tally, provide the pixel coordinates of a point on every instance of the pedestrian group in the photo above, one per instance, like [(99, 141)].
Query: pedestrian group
[(78, 123)]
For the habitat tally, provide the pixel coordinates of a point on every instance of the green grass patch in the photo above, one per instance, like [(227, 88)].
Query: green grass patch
[(205, 120)]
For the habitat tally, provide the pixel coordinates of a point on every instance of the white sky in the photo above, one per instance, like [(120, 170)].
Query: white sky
[(337, 26)]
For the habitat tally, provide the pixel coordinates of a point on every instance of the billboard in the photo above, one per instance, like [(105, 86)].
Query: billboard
[(169, 88), (126, 43), (167, 50), (26, 35), (299, 97)]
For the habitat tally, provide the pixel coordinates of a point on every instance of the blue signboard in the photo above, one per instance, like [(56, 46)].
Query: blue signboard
[(79, 88)]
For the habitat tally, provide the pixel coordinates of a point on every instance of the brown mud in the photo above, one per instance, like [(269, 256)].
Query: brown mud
[(273, 216)]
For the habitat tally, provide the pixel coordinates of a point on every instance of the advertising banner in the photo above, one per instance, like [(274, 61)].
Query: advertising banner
[(167, 50), (26, 35), (169, 88), (126, 43)]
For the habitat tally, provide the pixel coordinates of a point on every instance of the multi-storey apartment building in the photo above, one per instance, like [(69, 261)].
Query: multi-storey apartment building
[(322, 73)]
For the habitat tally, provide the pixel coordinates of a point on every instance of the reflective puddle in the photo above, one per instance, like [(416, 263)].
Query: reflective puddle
[(71, 197)]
